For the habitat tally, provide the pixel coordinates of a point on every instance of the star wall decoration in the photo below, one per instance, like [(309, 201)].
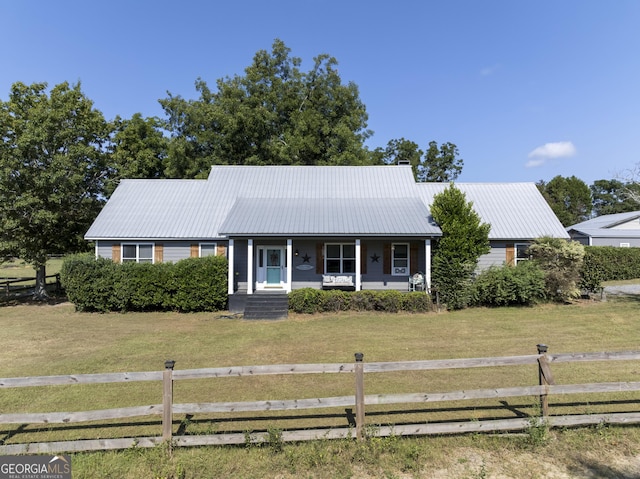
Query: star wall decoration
[(306, 258), (375, 258)]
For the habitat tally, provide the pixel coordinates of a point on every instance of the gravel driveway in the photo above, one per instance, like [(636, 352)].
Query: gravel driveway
[(623, 289)]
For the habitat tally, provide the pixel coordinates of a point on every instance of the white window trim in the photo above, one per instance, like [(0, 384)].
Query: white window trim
[(400, 271), (215, 248), (625, 245), (342, 258), (515, 253), (137, 245)]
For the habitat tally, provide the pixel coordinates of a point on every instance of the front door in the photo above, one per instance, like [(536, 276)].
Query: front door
[(271, 267), (274, 266)]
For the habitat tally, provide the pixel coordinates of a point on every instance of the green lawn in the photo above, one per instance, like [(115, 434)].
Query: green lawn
[(50, 340)]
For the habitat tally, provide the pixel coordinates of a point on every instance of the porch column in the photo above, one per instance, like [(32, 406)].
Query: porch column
[(231, 274), (289, 265), (427, 263), (358, 266), (250, 266)]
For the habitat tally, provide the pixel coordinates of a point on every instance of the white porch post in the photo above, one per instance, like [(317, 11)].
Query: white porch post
[(427, 263), (289, 265), (358, 266), (231, 274), (250, 266)]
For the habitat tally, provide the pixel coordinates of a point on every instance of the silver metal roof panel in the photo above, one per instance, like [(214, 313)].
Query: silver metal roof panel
[(331, 217)]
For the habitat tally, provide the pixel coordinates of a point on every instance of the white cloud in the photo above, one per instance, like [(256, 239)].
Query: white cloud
[(550, 151)]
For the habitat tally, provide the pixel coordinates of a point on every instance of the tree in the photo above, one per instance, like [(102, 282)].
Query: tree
[(399, 151), (437, 164), (569, 198), (440, 164), (631, 180), (52, 172), (138, 149), (464, 239), (612, 196), (273, 115)]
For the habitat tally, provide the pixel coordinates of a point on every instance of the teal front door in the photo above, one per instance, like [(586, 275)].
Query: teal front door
[(274, 265)]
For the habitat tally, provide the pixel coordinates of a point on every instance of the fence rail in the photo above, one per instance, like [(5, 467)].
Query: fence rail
[(167, 409), (8, 288)]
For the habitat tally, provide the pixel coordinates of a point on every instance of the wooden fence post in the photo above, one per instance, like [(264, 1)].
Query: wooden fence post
[(167, 399), (359, 373), (545, 378)]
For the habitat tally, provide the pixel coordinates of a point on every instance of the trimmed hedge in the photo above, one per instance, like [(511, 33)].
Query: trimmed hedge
[(194, 284), (310, 301), (523, 284), (608, 263)]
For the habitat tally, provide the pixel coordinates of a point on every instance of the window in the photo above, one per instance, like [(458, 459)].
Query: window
[(625, 245), (137, 252), (340, 258), (522, 253), (399, 259), (207, 249)]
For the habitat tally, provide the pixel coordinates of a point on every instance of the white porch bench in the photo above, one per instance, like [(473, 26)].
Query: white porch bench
[(338, 281)]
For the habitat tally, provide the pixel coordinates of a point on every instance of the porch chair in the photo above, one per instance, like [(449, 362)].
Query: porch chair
[(417, 282)]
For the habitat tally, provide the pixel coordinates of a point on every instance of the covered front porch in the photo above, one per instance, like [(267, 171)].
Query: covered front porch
[(283, 264)]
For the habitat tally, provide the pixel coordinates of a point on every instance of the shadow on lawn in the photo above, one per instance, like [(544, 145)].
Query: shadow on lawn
[(265, 422), (591, 468)]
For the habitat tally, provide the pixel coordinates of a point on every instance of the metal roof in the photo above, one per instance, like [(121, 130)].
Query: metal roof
[(333, 216), (606, 232), (606, 221), (154, 209), (330, 200), (514, 210)]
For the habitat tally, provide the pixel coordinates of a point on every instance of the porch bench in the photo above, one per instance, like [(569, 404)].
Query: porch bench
[(330, 281)]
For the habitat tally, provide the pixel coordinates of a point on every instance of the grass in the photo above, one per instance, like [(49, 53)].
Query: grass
[(48, 340)]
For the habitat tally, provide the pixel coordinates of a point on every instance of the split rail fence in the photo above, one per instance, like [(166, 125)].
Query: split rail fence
[(358, 400), (18, 286)]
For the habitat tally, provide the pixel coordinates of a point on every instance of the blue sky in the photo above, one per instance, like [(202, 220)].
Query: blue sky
[(527, 90)]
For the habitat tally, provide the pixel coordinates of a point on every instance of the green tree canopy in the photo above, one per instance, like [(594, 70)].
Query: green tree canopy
[(612, 196), (138, 149), (464, 239), (275, 114), (569, 198), (437, 164), (440, 164), (52, 171)]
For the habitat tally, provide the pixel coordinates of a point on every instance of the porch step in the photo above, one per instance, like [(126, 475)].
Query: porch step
[(266, 306)]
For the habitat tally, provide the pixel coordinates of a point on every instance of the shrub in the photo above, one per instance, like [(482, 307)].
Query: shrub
[(199, 284), (363, 300), (88, 282), (416, 302), (196, 284), (561, 261), (142, 287), (608, 263), (310, 301), (305, 300), (335, 300), (523, 284), (389, 301), (454, 282)]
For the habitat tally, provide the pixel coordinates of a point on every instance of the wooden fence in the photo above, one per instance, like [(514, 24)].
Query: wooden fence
[(358, 400), (16, 286)]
